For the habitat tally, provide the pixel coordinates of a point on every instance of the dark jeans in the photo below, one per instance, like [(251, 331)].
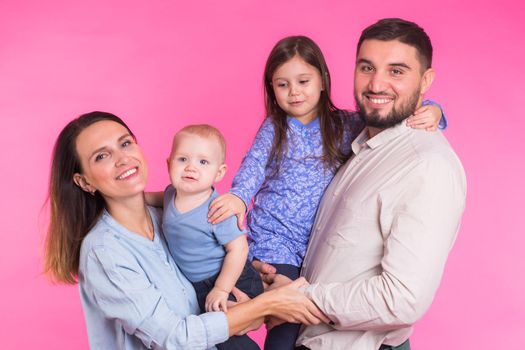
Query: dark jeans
[(404, 346), (283, 336), (250, 283)]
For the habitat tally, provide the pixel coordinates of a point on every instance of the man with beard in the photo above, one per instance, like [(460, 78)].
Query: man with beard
[(390, 216)]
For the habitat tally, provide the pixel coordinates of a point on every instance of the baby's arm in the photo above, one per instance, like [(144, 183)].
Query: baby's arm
[(232, 266), (430, 116)]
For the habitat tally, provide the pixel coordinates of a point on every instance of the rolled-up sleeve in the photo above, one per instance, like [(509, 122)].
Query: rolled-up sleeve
[(119, 287)]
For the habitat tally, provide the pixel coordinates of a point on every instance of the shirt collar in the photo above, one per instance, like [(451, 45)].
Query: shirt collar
[(363, 140)]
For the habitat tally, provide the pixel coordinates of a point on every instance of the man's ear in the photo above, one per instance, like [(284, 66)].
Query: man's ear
[(221, 172), (427, 79), (81, 182)]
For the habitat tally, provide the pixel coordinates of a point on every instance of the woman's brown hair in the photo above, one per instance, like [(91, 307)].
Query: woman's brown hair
[(73, 211)]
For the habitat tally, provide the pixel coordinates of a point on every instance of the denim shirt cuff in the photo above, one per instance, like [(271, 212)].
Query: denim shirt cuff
[(216, 327)]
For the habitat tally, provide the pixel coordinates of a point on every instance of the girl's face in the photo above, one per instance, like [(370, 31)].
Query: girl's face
[(297, 86), (111, 161)]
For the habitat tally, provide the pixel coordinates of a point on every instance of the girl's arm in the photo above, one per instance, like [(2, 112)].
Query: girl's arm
[(248, 180), (430, 116), (232, 266)]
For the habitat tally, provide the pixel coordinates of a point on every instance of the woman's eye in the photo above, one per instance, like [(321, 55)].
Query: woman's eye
[(100, 157)]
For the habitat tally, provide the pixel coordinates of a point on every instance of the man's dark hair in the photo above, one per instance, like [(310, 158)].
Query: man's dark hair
[(409, 33)]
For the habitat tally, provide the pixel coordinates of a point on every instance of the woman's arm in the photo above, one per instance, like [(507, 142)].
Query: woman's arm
[(286, 303)]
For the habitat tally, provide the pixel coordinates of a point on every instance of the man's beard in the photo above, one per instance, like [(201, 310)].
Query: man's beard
[(394, 117)]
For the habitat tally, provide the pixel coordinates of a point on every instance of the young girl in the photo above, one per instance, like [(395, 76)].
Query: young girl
[(298, 149)]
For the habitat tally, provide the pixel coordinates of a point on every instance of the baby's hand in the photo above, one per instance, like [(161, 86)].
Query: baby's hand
[(225, 206), (216, 300), (426, 117)]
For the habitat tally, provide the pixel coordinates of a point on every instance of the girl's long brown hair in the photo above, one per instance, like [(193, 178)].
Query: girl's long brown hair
[(331, 118), (73, 211)]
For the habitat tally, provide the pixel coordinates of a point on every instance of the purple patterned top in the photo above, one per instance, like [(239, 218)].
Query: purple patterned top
[(285, 202)]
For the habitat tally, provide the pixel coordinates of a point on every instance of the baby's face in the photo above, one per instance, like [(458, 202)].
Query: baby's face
[(195, 163)]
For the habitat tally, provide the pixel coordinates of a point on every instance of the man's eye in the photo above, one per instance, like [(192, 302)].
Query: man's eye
[(397, 72), (126, 143), (366, 69)]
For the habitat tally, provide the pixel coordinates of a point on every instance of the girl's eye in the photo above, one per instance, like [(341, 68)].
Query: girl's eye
[(303, 81), (204, 162), (281, 85)]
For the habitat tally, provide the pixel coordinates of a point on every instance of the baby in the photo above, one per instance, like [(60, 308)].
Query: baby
[(213, 257)]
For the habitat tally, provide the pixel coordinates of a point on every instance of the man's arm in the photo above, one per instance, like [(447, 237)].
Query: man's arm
[(424, 219)]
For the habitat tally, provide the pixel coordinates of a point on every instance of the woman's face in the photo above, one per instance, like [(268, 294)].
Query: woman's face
[(111, 161)]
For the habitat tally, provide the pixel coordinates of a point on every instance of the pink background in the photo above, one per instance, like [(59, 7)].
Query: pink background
[(163, 64)]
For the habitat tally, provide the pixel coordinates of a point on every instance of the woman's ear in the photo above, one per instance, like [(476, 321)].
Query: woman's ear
[(81, 182)]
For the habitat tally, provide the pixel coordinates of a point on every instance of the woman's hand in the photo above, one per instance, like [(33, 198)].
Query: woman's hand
[(290, 305), (225, 206), (426, 117)]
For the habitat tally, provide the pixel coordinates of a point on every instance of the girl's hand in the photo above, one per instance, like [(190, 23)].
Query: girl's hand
[(216, 300), (225, 206), (426, 117)]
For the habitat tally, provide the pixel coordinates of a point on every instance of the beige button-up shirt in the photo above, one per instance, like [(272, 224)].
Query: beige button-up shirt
[(381, 238)]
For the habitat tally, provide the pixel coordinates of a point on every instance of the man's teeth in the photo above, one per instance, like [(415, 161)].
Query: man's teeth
[(379, 100), (127, 173)]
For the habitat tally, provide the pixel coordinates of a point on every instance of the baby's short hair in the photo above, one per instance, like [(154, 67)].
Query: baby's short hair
[(205, 131)]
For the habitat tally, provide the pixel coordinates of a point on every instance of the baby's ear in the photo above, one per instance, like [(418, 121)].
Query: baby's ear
[(222, 171)]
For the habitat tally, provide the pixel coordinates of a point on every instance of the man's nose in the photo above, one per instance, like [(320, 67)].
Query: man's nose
[(377, 82)]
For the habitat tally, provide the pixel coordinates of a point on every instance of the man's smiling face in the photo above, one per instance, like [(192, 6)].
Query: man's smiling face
[(389, 82)]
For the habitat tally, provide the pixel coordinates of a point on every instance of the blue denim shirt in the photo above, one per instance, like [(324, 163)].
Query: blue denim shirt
[(135, 297)]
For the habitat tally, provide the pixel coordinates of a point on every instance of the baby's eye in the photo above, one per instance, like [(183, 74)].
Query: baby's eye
[(204, 162), (182, 159)]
